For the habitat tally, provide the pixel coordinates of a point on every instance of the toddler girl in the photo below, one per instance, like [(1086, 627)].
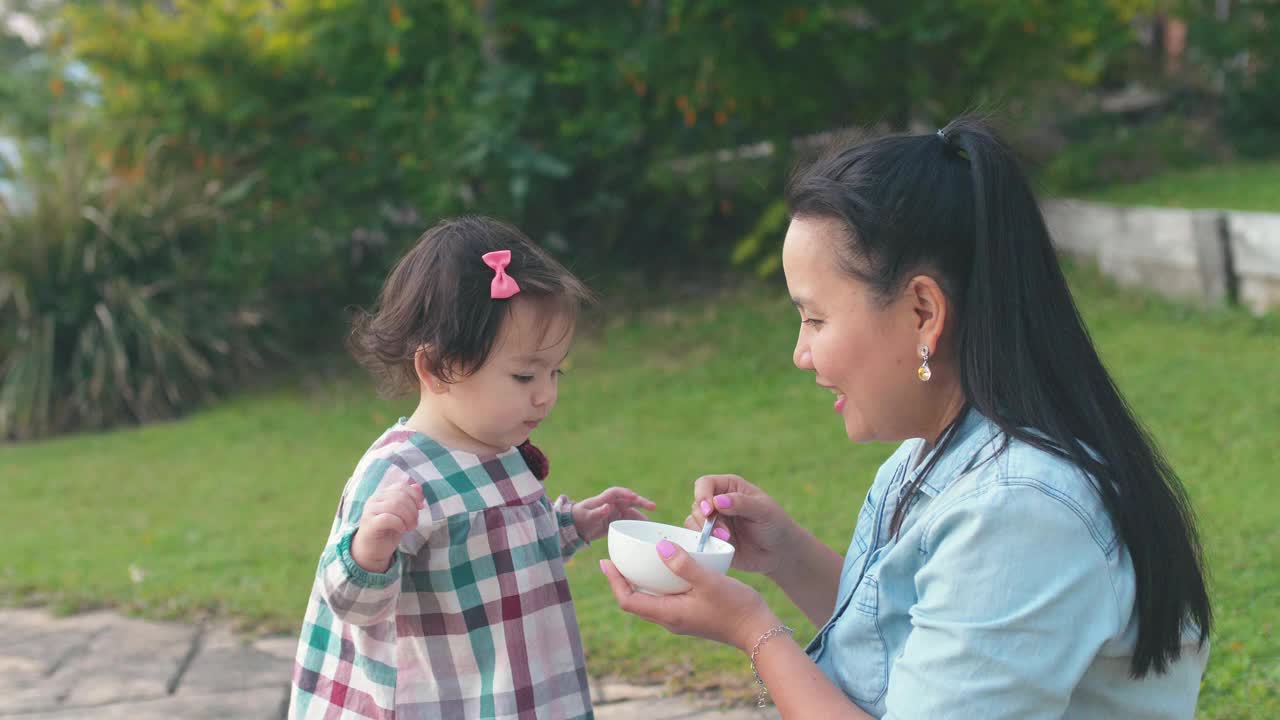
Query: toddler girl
[(441, 592)]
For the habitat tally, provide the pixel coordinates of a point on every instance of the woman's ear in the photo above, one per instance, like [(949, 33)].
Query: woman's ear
[(426, 375), (929, 308)]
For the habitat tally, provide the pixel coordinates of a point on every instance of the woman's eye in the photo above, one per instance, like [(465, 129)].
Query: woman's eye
[(811, 322), (523, 378)]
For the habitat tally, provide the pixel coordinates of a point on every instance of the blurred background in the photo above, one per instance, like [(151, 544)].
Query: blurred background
[(193, 192)]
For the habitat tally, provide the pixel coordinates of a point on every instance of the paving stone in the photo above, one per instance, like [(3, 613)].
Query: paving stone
[(225, 662), (35, 628), (750, 713), (129, 660), (41, 694), (620, 691), (595, 687), (19, 674), (17, 620), (281, 646), (46, 649), (39, 644), (259, 704), (100, 666), (654, 709), (11, 666)]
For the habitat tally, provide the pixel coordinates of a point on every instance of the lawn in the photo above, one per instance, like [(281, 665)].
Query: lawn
[(227, 510), (1235, 186)]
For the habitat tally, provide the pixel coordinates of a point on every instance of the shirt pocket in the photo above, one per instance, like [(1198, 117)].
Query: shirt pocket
[(861, 657)]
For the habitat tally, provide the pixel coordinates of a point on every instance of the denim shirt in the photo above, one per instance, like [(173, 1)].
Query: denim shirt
[(1006, 594)]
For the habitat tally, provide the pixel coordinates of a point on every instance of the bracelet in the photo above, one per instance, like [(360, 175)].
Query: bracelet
[(755, 652)]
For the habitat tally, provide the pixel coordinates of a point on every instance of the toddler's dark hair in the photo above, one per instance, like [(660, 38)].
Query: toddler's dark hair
[(437, 298)]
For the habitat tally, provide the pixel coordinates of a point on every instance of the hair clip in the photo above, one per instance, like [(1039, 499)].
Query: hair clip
[(503, 285)]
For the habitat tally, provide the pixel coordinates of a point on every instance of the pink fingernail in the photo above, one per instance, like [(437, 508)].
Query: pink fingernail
[(666, 548), (606, 572), (721, 533), (706, 507), (723, 502)]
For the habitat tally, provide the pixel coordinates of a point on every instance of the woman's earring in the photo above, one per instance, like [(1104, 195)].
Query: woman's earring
[(923, 372)]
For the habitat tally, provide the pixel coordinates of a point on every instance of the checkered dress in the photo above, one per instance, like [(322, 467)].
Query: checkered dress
[(472, 620)]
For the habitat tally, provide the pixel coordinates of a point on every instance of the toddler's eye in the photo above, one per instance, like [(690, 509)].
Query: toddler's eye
[(523, 378), (811, 322)]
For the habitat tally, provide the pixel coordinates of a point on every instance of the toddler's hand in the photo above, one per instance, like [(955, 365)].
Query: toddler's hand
[(593, 515), (389, 513)]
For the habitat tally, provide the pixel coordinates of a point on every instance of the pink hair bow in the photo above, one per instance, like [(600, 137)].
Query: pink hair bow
[(503, 285)]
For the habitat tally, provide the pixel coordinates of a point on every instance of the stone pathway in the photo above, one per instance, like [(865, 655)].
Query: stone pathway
[(102, 666)]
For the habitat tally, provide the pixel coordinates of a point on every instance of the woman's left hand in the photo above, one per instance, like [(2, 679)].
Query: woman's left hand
[(717, 607)]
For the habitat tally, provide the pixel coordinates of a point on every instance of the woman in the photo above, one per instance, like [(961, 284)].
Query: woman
[(1027, 552)]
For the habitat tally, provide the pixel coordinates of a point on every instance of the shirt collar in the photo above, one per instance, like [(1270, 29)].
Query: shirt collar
[(971, 444)]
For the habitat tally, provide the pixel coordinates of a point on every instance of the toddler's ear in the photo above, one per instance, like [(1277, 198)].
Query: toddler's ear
[(426, 377)]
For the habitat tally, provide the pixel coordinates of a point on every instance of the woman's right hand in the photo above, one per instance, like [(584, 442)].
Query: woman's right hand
[(758, 527)]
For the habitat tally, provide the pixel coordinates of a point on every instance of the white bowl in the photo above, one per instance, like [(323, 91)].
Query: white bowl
[(633, 548)]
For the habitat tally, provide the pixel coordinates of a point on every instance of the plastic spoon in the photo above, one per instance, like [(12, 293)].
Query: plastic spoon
[(706, 533)]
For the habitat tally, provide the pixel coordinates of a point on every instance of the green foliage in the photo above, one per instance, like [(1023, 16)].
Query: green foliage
[(609, 131), (38, 85), (116, 299), (1243, 57), (759, 246), (570, 118), (1102, 150)]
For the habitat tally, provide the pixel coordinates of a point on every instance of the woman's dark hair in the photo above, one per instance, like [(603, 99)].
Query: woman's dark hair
[(957, 206), (437, 299)]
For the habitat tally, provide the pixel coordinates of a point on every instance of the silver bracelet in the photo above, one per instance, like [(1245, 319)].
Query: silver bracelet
[(755, 652)]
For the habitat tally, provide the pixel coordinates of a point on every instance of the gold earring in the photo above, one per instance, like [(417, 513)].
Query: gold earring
[(923, 372)]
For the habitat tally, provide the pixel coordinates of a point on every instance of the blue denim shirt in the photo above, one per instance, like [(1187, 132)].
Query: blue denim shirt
[(1006, 594)]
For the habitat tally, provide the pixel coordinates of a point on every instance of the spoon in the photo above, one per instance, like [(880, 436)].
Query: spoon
[(706, 533)]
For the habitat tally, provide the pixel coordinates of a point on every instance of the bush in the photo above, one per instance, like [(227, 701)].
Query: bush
[(597, 127), (568, 118), (1242, 56), (117, 302), (1103, 150)]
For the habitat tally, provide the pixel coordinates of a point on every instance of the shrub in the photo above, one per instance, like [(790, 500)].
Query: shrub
[(1240, 52), (566, 118), (116, 303)]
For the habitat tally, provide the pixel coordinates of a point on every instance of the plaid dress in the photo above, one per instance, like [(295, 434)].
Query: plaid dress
[(472, 620)]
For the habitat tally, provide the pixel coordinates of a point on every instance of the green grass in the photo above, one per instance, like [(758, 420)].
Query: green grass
[(1235, 186), (227, 510)]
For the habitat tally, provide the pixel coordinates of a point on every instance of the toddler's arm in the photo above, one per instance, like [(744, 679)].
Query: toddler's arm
[(360, 568), (570, 540), (588, 520)]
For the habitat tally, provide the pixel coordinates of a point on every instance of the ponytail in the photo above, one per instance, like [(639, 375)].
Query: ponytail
[(1028, 363)]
